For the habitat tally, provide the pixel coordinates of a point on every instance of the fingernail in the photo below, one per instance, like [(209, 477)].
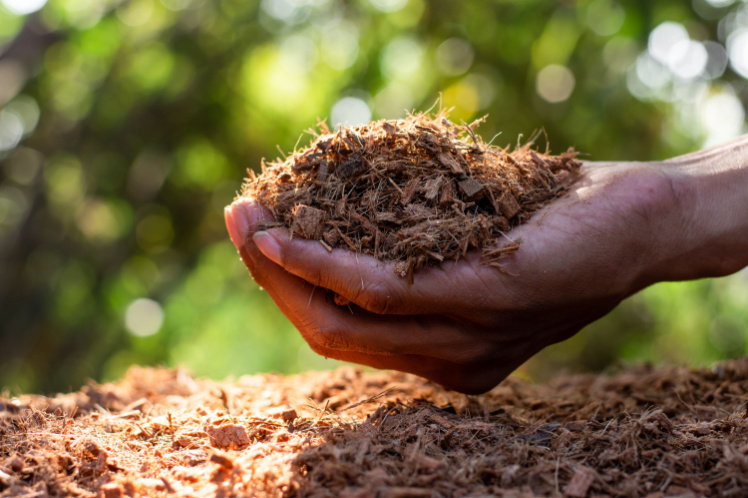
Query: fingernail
[(268, 246), (237, 223), (241, 220)]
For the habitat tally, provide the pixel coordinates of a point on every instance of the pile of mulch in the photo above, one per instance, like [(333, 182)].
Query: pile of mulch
[(415, 191), (643, 432)]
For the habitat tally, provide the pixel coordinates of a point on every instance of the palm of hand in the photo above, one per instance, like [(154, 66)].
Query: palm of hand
[(463, 324)]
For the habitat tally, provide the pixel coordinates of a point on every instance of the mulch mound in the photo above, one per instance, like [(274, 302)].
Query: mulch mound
[(643, 432), (415, 191)]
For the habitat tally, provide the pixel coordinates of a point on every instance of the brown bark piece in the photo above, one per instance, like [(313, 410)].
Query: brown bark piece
[(290, 198), (508, 205), (227, 436), (450, 162), (409, 191), (331, 236), (471, 189), (369, 227), (500, 223), (14, 463), (386, 217), (350, 168), (431, 189), (447, 195), (309, 222), (580, 482), (112, 490), (322, 171), (222, 460), (287, 415)]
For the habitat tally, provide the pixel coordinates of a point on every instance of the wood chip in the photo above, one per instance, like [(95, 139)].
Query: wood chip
[(450, 162), (508, 205), (227, 436), (471, 189), (580, 483), (309, 222)]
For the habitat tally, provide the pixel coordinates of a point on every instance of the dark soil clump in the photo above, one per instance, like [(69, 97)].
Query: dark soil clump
[(416, 191)]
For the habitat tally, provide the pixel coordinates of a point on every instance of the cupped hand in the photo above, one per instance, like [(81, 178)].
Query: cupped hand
[(463, 324)]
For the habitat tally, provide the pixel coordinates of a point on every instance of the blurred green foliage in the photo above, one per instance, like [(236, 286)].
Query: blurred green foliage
[(126, 127)]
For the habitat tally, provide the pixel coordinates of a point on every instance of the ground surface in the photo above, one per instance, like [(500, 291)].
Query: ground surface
[(642, 432)]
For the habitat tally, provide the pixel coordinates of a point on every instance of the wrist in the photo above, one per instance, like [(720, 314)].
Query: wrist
[(711, 213)]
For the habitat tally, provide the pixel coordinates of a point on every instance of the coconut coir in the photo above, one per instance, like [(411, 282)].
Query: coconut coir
[(647, 431), (416, 191)]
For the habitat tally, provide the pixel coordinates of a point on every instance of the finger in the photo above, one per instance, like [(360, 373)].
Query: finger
[(241, 224), (373, 285)]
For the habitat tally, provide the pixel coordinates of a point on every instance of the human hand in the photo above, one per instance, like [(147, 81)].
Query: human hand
[(465, 325)]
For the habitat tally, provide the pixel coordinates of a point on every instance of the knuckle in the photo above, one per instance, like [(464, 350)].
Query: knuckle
[(320, 278), (379, 299)]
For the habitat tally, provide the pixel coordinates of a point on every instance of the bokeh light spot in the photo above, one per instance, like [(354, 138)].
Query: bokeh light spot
[(23, 7), (271, 86), (350, 111), (27, 111), (13, 206), (177, 5), (555, 83), (65, 182), (737, 48), (12, 79), (620, 53), (144, 317), (136, 12), (687, 59), (393, 101), (650, 72), (23, 165), (298, 54), (463, 97), (485, 86), (401, 58), (199, 162), (722, 115), (717, 60), (454, 56), (99, 221), (605, 17), (152, 67), (11, 130), (663, 38), (389, 5), (340, 46), (290, 11)]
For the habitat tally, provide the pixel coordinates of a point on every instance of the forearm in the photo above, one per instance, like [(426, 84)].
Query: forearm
[(711, 187)]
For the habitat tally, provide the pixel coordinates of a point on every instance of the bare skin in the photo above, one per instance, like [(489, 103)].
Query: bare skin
[(622, 227)]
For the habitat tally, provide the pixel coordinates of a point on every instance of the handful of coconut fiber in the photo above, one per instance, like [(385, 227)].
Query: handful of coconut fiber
[(415, 191)]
